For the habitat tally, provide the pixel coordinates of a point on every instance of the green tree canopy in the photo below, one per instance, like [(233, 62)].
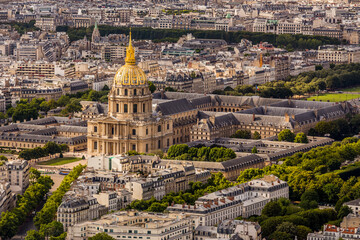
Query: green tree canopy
[(101, 236), (301, 138), (286, 135)]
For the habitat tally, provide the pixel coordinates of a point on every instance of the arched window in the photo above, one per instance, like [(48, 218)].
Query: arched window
[(134, 132), (142, 91), (134, 92), (117, 107), (143, 107), (126, 92), (125, 108), (159, 128), (159, 144), (135, 108)]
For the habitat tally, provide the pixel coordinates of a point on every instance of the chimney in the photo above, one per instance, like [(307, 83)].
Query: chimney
[(212, 119), (222, 200), (253, 118), (183, 206), (287, 117)]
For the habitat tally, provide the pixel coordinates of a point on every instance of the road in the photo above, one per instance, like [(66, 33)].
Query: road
[(28, 225)]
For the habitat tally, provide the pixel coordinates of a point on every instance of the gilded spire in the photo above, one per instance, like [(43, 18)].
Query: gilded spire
[(130, 53)]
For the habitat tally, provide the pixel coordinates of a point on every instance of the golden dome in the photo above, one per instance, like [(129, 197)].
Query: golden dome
[(130, 73)]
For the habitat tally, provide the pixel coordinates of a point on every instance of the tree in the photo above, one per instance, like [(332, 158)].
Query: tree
[(177, 150), (272, 209), (152, 87), (3, 158), (281, 236), (34, 175), (44, 106), (246, 134), (256, 135), (286, 135), (254, 150), (343, 212), (8, 225), (54, 229), (105, 88), (318, 67), (73, 106), (52, 148), (302, 232), (63, 100), (101, 236), (287, 227), (34, 235), (157, 207), (301, 138)]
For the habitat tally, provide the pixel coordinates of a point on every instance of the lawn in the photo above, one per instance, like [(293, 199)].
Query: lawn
[(353, 89), (334, 97), (59, 161)]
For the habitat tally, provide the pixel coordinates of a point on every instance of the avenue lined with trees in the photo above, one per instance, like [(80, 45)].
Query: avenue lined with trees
[(45, 219), (11, 220)]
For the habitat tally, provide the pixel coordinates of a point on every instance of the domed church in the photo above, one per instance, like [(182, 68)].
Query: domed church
[(130, 123)]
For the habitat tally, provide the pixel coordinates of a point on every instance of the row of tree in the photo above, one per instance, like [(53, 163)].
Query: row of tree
[(288, 136), (48, 213), (289, 41), (337, 129), (200, 153), (48, 149), (315, 170), (282, 220), (197, 189), (246, 134), (337, 77), (25, 110), (34, 194)]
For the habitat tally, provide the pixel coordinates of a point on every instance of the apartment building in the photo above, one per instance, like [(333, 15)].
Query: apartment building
[(332, 232), (45, 70), (117, 15), (354, 205), (28, 51), (82, 21), (7, 197), (46, 23), (242, 200), (75, 209), (328, 32), (137, 225), (18, 172), (229, 229), (339, 54), (113, 52)]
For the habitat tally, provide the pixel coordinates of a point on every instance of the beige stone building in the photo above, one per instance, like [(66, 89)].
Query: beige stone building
[(130, 123), (18, 175)]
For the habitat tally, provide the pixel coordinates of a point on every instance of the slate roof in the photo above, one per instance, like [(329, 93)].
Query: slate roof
[(174, 107)]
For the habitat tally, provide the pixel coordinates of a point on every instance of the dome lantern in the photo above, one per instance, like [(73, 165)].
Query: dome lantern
[(130, 74)]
